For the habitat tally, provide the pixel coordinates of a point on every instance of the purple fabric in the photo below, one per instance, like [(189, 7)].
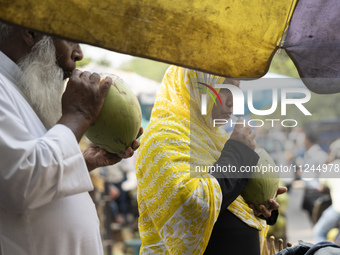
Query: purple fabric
[(313, 43)]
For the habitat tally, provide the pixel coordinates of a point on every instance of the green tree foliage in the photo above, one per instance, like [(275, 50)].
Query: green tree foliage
[(84, 62), (104, 62), (148, 68), (322, 107), (282, 64)]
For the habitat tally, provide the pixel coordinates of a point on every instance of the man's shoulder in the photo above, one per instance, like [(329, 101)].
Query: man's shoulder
[(317, 150), (8, 90), (6, 86)]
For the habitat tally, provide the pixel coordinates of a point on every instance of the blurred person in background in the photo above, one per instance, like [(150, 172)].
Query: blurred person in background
[(121, 179), (297, 139), (296, 146), (313, 158), (330, 218)]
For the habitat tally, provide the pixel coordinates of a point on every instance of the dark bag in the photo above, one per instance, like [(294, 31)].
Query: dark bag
[(321, 248), (309, 198)]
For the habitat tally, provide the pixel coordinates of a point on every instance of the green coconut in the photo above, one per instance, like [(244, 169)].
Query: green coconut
[(120, 119), (263, 184)]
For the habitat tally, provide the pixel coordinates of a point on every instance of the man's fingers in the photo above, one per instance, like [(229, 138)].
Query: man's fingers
[(105, 86), (256, 212), (95, 78), (273, 204), (85, 75), (264, 211), (140, 132), (76, 73), (135, 145), (127, 153), (281, 190)]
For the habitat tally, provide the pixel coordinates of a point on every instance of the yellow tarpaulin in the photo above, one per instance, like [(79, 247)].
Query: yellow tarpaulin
[(231, 38)]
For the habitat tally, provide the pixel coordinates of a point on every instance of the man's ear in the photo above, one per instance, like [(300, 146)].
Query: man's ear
[(30, 37)]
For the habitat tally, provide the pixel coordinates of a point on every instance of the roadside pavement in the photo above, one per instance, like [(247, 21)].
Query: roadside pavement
[(299, 225)]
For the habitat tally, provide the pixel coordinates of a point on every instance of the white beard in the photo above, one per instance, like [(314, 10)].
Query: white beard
[(42, 81)]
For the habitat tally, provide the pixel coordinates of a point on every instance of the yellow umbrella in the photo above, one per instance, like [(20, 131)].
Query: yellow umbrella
[(235, 38)]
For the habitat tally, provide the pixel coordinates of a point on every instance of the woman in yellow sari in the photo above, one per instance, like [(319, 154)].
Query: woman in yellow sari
[(179, 207)]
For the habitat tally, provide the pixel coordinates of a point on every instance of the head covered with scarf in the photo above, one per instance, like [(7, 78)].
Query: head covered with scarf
[(178, 207)]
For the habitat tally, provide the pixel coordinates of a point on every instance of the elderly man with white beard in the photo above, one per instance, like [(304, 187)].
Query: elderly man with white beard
[(45, 208)]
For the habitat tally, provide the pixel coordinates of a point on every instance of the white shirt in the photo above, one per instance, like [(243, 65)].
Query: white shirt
[(45, 208)]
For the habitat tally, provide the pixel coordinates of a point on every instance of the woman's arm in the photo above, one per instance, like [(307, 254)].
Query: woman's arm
[(234, 155)]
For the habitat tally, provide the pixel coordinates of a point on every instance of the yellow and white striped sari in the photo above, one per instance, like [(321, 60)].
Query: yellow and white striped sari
[(178, 212)]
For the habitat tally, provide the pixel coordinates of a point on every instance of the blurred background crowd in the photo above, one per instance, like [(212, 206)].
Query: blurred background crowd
[(309, 211)]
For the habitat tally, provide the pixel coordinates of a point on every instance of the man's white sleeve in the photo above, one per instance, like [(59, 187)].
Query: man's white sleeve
[(34, 171)]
